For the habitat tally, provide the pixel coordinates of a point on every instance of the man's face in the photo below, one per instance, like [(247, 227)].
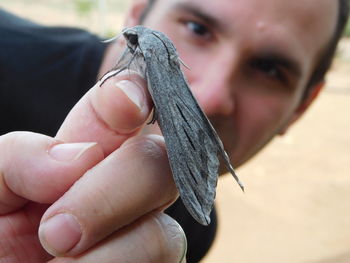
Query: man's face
[(249, 60)]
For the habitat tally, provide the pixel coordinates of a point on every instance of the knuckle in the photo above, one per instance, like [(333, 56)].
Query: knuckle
[(157, 176), (149, 146), (169, 242)]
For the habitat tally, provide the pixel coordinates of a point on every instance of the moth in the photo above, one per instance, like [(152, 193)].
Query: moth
[(193, 146)]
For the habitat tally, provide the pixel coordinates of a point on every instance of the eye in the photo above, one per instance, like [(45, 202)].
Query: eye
[(133, 39), (198, 29), (269, 68)]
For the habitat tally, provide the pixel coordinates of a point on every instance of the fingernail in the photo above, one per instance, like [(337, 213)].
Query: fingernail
[(69, 151), (60, 234), (178, 240), (132, 91)]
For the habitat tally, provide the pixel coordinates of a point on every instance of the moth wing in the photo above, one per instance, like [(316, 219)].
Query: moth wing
[(193, 145), (196, 152), (192, 149)]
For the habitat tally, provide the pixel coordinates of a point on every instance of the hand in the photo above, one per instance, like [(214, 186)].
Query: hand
[(96, 190)]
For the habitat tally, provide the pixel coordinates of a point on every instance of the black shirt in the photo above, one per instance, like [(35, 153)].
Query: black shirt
[(44, 71)]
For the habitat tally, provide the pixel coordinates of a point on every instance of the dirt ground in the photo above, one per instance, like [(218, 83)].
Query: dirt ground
[(296, 207)]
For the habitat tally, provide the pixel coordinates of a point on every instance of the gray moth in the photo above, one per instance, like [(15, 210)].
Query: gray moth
[(193, 146)]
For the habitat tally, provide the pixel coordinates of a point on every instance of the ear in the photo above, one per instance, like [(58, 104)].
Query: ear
[(314, 92), (135, 11)]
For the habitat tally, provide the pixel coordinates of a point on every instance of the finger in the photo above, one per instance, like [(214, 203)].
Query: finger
[(111, 195), (109, 113), (153, 238), (39, 168), (19, 235)]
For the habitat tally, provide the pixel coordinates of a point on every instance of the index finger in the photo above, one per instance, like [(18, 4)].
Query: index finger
[(109, 113), (110, 196)]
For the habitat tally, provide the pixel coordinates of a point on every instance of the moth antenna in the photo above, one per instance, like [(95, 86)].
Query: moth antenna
[(109, 40), (110, 74)]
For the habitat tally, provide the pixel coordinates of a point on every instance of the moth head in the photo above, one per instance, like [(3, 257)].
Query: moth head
[(132, 39)]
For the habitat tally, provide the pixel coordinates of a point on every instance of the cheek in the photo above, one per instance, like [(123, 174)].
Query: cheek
[(267, 114), (258, 120)]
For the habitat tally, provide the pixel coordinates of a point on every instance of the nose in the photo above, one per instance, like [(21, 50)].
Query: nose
[(213, 89)]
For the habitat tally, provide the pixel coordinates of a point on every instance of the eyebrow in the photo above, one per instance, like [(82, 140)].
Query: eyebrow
[(198, 11)]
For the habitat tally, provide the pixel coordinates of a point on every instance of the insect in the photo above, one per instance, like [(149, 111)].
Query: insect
[(193, 146)]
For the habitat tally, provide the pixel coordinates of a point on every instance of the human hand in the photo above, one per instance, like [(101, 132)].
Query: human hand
[(96, 190)]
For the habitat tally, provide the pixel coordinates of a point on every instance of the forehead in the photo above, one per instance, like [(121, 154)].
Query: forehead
[(300, 14), (304, 28)]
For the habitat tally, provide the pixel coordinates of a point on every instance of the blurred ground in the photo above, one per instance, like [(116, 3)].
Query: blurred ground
[(297, 203)]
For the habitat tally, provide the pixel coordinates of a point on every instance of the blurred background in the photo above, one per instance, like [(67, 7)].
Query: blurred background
[(297, 203)]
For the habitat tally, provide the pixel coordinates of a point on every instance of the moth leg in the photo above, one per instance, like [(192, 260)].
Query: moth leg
[(107, 76), (154, 117), (135, 64), (127, 66)]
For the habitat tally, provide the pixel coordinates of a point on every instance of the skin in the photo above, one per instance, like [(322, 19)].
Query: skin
[(115, 211), (243, 87), (248, 76)]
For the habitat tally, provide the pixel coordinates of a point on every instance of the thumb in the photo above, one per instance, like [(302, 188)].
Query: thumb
[(111, 112)]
